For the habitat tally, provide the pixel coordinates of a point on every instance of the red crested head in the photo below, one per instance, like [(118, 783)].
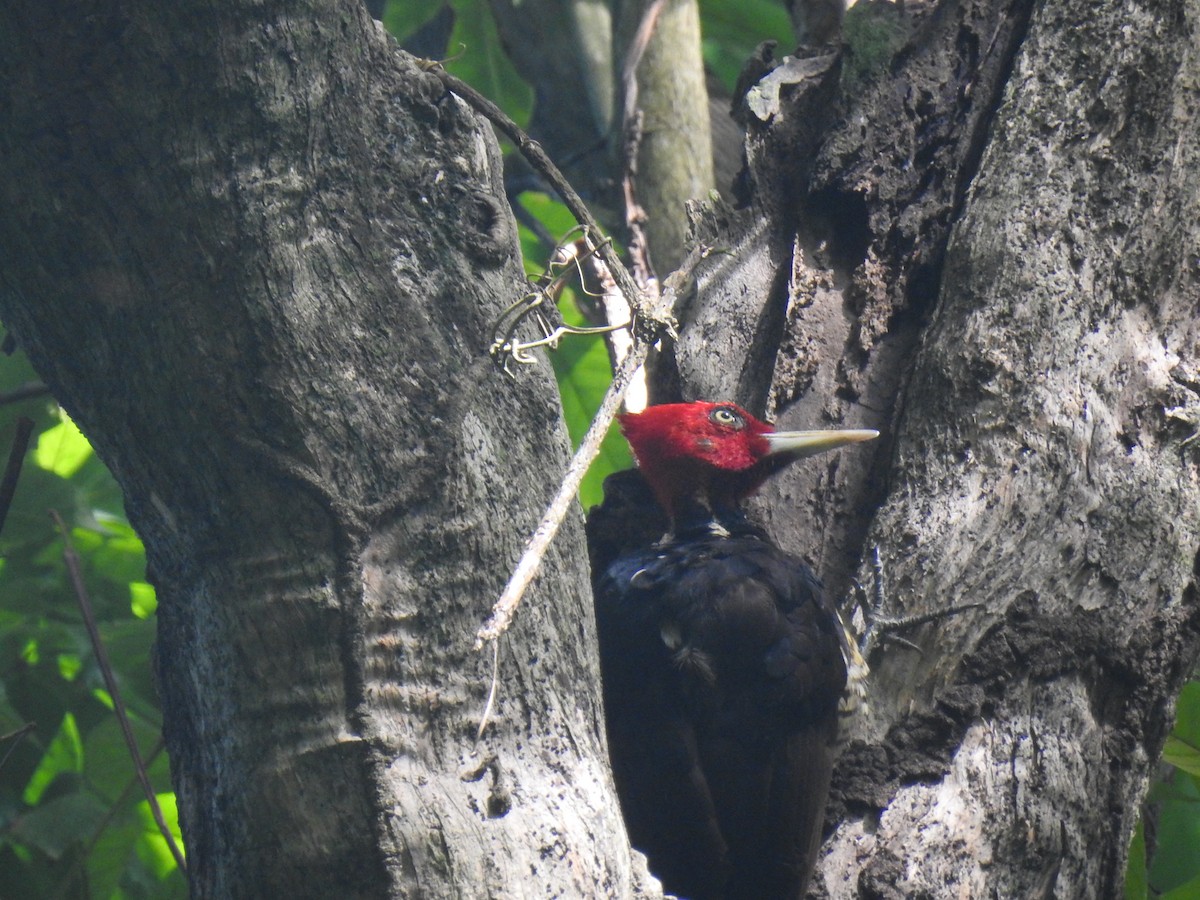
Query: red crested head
[(716, 453)]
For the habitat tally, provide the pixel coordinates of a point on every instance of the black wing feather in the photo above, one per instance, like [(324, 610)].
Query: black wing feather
[(722, 671)]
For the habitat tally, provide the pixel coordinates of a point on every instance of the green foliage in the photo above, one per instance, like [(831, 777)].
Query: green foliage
[(1183, 746), (474, 53), (581, 364), (1190, 890), (62, 449), (1174, 869), (1135, 872), (70, 807), (403, 17), (732, 29)]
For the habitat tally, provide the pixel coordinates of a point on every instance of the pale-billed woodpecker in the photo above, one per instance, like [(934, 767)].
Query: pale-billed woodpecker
[(723, 665)]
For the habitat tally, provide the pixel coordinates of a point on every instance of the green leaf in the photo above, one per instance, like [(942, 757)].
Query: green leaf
[(30, 653), (1187, 891), (475, 52), (63, 754), (120, 560), (554, 216), (28, 528), (1182, 749), (1176, 862), (112, 854), (581, 364), (478, 59), (143, 601), (152, 846), (69, 665), (584, 373), (1182, 756), (10, 719), (732, 29), (62, 449), (128, 642), (1136, 887), (1187, 715), (54, 826), (108, 769), (403, 17), (51, 672)]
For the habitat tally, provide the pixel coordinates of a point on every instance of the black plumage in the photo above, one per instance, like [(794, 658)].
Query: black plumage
[(723, 669)]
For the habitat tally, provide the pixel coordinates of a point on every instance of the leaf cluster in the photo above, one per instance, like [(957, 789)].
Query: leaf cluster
[(73, 820), (1163, 859)]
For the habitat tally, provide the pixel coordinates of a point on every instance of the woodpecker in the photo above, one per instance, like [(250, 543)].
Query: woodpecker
[(723, 665)]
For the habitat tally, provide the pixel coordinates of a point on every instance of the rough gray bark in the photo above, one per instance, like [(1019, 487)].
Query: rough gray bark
[(255, 252), (1037, 384), (1038, 472)]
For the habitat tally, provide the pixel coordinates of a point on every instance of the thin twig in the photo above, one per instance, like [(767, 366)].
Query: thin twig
[(71, 558), (486, 716), (635, 213), (632, 121), (506, 607), (633, 55), (76, 872), (616, 309), (502, 612), (654, 321), (675, 288), (15, 737), (652, 317), (26, 391), (12, 471)]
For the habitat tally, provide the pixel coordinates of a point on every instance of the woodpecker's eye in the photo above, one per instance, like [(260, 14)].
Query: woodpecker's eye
[(727, 418)]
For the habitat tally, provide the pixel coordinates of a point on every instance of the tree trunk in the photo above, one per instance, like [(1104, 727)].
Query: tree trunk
[(1029, 346), (255, 251), (674, 144), (1056, 489)]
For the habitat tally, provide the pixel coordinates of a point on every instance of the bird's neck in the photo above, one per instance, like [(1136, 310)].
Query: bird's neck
[(698, 516)]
